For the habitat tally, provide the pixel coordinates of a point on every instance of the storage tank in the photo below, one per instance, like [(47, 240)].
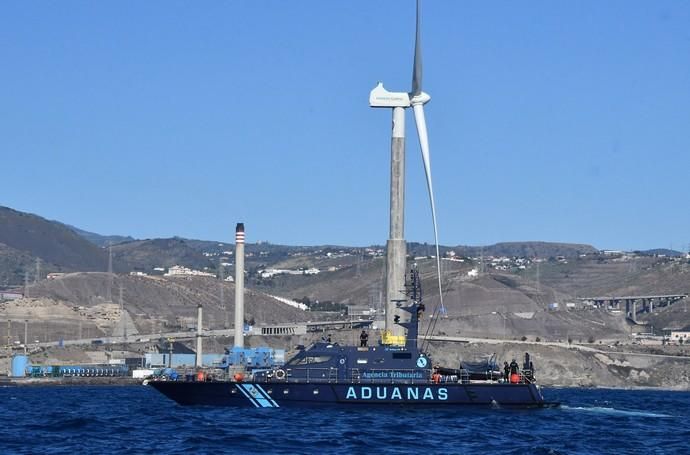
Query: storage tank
[(19, 364)]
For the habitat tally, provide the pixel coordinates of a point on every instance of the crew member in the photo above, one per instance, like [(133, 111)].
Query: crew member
[(514, 376), (525, 366), (363, 338), (513, 367), (506, 370)]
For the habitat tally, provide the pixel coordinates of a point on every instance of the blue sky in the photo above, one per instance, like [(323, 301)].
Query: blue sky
[(555, 121)]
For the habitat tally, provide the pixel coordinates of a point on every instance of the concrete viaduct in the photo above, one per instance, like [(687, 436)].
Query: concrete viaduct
[(634, 304)]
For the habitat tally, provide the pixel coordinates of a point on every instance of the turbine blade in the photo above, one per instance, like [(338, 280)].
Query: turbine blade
[(424, 145), (417, 66)]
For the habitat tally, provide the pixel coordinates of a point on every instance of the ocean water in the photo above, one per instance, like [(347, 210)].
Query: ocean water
[(102, 420)]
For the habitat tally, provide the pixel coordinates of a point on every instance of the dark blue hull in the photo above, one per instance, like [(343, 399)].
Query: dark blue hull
[(275, 394)]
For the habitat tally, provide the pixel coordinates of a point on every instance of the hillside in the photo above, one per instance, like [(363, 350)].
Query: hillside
[(528, 250), (60, 308), (101, 240), (27, 237), (144, 255), (501, 290), (620, 275), (510, 304), (14, 264)]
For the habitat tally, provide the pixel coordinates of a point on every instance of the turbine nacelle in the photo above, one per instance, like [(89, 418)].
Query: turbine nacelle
[(380, 97)]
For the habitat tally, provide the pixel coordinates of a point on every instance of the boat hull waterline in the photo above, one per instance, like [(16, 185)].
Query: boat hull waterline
[(275, 394)]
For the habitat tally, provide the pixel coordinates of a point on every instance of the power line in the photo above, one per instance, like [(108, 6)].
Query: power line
[(109, 295)]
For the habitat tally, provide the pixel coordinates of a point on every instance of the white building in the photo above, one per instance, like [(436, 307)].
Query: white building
[(680, 335), (179, 270)]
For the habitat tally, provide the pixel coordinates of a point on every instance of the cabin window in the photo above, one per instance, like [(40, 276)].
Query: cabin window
[(402, 355), (362, 361), (308, 360)]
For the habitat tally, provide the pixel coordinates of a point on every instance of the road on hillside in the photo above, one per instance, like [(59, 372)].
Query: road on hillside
[(554, 343)]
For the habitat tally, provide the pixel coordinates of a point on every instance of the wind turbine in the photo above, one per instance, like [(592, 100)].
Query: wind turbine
[(395, 246)]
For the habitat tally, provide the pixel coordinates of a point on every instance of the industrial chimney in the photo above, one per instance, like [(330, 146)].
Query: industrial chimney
[(239, 285), (198, 337)]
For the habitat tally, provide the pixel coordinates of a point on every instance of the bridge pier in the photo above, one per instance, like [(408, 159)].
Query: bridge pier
[(647, 303)]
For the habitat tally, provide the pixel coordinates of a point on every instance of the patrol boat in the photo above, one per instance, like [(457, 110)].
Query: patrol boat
[(389, 373), (394, 372)]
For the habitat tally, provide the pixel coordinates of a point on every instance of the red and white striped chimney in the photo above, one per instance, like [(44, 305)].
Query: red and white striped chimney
[(239, 285)]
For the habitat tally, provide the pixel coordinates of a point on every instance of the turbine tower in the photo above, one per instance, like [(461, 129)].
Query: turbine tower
[(395, 246)]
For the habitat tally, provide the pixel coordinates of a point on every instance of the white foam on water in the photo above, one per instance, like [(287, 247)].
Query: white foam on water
[(614, 411)]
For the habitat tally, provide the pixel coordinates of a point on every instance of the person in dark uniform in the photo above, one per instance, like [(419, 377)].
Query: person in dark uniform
[(328, 340), (363, 339), (513, 367), (525, 366), (506, 371)]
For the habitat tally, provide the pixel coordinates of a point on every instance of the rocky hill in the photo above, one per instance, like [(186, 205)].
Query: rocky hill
[(27, 237), (144, 255), (101, 240), (88, 303), (502, 290), (528, 249), (13, 265)]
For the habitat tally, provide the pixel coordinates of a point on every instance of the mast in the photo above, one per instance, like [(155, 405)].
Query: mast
[(413, 290)]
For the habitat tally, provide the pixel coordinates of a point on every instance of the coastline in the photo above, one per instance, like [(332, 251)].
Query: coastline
[(69, 381)]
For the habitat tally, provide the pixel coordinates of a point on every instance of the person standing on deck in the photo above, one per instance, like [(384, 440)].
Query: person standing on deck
[(363, 339)]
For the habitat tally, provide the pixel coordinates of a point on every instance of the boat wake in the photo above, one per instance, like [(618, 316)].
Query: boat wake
[(614, 411)]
